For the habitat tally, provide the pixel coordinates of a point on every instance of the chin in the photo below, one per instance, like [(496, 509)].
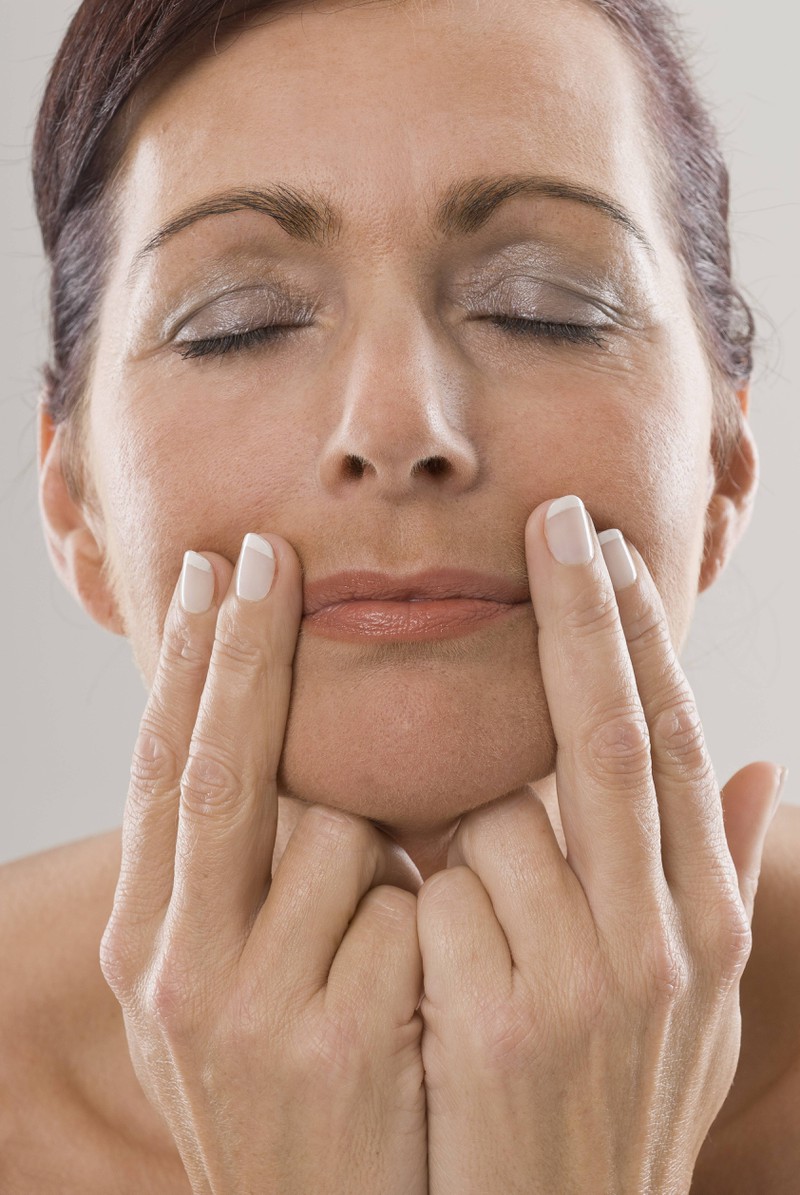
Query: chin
[(414, 739)]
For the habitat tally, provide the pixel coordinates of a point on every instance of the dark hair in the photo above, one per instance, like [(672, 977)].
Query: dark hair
[(114, 47)]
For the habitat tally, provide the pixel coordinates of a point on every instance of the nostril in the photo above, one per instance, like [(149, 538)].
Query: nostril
[(356, 465), (434, 465)]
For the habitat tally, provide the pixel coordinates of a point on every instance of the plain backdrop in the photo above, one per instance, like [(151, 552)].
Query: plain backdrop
[(71, 696)]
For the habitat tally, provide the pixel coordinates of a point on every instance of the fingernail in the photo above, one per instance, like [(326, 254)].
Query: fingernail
[(255, 569), (782, 774), (197, 583), (568, 532), (619, 561)]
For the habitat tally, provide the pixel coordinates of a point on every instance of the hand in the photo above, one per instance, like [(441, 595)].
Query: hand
[(271, 1019), (582, 1023)]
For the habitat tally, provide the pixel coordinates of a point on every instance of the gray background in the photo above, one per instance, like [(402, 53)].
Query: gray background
[(71, 697)]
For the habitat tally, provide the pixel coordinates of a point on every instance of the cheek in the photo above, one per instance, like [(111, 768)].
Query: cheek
[(638, 455), (172, 478), (166, 486)]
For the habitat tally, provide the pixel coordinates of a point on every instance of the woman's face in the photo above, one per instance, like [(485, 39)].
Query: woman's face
[(380, 113)]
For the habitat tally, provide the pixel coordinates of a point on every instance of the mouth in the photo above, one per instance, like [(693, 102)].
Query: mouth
[(434, 604)]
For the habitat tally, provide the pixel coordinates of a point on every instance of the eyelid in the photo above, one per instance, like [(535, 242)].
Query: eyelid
[(602, 299), (265, 303), (538, 308)]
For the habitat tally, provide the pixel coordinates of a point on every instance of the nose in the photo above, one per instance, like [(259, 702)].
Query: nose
[(402, 430)]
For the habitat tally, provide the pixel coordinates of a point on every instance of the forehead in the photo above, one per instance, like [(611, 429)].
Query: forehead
[(379, 104)]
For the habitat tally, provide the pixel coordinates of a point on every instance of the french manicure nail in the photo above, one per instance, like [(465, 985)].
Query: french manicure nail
[(255, 569), (619, 561), (568, 532), (197, 583)]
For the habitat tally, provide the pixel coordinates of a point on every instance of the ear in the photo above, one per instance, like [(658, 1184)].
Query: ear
[(731, 504), (77, 556)]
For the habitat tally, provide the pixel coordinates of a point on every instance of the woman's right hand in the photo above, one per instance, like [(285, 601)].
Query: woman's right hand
[(272, 1021)]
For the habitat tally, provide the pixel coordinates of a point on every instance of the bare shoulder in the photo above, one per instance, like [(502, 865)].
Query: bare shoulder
[(53, 908), (72, 1117), (754, 1144)]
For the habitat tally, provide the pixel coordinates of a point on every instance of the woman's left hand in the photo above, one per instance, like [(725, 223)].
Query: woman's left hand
[(582, 1022)]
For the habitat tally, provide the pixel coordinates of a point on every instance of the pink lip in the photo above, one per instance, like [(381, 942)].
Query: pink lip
[(432, 604), (432, 583)]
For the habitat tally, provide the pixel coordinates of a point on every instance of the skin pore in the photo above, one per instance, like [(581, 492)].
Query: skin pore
[(380, 113)]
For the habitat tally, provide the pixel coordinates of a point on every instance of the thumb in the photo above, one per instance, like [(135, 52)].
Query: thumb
[(750, 800)]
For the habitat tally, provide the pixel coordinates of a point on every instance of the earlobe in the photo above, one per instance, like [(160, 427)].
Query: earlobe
[(77, 557), (731, 504)]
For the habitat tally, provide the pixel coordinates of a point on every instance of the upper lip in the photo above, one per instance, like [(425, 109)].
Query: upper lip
[(432, 583)]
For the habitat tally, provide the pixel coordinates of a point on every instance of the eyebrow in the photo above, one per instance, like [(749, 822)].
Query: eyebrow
[(464, 207)]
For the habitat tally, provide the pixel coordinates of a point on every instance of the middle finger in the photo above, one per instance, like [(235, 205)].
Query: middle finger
[(607, 800)]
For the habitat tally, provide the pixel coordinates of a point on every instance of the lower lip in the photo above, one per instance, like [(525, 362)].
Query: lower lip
[(443, 618)]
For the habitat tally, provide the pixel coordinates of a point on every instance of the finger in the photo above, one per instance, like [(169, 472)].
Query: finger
[(511, 846), (330, 862), (229, 799), (376, 975), (694, 850), (463, 947), (150, 820), (606, 798), (750, 800)]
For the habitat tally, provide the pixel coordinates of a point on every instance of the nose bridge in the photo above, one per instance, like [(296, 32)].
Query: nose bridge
[(395, 353), (401, 408)]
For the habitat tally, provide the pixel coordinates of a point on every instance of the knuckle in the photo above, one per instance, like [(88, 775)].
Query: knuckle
[(239, 653), (678, 732), (646, 628), (118, 957), (210, 782), (728, 941), (391, 906), (590, 611), (618, 746), (443, 888), (667, 968), (180, 648), (169, 998), (327, 825), (154, 763)]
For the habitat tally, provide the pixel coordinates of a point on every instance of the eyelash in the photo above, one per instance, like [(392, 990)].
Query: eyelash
[(219, 346)]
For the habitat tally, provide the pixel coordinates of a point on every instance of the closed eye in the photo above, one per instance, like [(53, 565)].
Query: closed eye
[(231, 342), (548, 330)]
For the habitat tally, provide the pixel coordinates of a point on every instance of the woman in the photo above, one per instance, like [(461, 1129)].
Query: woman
[(424, 881)]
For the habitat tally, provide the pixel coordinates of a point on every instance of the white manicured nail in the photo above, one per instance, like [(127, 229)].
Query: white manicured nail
[(619, 562), (197, 583), (255, 569), (568, 531)]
